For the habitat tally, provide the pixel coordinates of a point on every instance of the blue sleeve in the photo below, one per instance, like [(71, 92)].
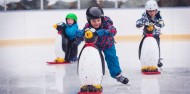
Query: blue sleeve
[(80, 33)]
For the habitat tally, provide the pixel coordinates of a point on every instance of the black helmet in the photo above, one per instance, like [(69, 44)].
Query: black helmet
[(94, 12)]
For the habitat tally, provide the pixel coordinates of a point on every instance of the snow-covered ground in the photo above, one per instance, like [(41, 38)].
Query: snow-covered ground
[(23, 70)]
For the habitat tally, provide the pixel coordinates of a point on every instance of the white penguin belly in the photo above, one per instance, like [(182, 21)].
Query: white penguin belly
[(58, 47), (90, 67), (149, 52)]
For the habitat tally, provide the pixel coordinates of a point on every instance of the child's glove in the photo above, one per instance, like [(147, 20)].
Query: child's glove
[(80, 33), (160, 23), (139, 24), (102, 32)]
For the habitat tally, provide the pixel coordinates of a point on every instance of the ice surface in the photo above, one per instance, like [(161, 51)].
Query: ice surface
[(23, 70)]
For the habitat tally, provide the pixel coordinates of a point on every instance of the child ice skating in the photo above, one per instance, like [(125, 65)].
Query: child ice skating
[(151, 16), (66, 46), (105, 30)]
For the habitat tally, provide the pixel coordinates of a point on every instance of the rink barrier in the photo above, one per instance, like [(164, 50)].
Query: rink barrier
[(168, 37), (50, 41)]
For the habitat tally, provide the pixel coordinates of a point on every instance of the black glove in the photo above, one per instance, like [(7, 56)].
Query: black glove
[(140, 23)]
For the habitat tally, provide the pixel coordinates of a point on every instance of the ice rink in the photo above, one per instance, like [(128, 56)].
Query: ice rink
[(23, 70)]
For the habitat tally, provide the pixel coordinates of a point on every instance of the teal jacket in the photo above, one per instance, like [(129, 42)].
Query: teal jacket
[(71, 31)]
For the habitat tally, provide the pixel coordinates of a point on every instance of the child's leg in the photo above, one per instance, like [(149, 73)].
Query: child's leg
[(73, 52), (65, 46), (112, 61), (67, 55), (74, 49), (157, 37), (113, 65)]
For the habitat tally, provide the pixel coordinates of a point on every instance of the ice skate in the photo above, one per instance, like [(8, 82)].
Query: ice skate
[(122, 79), (74, 59), (160, 64)]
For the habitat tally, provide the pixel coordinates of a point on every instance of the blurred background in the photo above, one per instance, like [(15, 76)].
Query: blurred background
[(6, 5), (33, 19)]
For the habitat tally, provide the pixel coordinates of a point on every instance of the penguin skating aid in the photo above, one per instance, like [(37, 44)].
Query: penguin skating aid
[(61, 47), (149, 54), (91, 66)]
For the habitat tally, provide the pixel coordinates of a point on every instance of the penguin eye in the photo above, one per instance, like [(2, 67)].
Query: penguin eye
[(87, 29), (60, 23), (93, 30)]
